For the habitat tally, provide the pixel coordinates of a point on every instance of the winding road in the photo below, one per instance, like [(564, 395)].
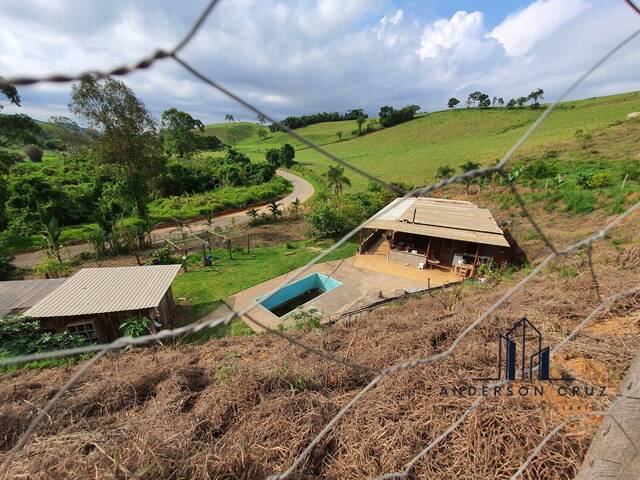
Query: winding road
[(302, 190)]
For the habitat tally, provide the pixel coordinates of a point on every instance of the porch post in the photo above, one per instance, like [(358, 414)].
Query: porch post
[(475, 259)]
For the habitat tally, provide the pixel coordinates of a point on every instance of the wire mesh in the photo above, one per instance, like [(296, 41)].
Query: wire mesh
[(499, 168)]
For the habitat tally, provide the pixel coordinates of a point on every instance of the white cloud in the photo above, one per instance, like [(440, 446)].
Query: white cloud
[(462, 29), (303, 56), (520, 32)]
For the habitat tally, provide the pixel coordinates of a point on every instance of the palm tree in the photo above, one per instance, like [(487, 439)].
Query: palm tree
[(253, 213), (444, 172), (50, 234), (467, 167), (295, 208), (274, 209), (337, 180)]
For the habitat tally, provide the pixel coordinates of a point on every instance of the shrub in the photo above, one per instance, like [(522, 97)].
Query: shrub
[(135, 326), (162, 256), (6, 257), (602, 179), (34, 153), (23, 337), (631, 169), (578, 201), (52, 268), (327, 221), (541, 169)]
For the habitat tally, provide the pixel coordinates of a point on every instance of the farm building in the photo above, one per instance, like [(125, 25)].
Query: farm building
[(94, 301), (433, 233), (20, 295)]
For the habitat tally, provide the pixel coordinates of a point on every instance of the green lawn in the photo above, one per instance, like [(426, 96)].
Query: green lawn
[(204, 289), (413, 151)]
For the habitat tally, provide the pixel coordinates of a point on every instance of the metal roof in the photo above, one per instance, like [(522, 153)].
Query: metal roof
[(17, 296), (104, 290), (442, 218)]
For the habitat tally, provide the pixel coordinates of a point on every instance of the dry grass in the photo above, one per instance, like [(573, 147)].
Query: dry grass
[(245, 407)]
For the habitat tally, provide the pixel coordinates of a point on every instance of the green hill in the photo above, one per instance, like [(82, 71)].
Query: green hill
[(413, 151), (233, 132)]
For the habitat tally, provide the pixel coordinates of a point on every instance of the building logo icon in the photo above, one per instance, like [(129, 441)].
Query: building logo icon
[(521, 356)]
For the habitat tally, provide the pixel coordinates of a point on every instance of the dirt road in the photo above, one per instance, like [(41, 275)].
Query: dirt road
[(302, 190)]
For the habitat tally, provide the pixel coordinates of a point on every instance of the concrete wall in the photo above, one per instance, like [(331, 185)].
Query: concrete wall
[(406, 257)]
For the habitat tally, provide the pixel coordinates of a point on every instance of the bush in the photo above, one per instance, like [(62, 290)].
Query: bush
[(541, 169), (578, 201), (23, 337), (631, 169), (52, 268), (6, 257), (602, 179), (135, 326), (34, 153), (162, 256)]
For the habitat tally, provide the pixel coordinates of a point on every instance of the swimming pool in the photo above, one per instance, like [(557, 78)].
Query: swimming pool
[(292, 296)]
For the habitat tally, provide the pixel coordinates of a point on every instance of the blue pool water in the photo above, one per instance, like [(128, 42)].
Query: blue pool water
[(298, 293)]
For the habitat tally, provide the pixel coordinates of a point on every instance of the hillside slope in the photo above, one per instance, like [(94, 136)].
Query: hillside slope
[(244, 408), (413, 151)]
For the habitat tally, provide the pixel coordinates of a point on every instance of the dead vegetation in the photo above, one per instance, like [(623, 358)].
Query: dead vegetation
[(244, 408)]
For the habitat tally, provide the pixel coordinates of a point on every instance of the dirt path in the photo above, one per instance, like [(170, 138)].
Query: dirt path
[(302, 190)]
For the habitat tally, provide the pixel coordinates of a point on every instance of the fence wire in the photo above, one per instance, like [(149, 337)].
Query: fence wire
[(499, 168)]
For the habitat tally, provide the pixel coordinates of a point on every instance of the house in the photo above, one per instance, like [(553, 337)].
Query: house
[(20, 295), (434, 233), (94, 301)]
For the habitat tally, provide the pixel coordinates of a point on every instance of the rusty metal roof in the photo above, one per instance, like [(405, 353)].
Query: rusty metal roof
[(442, 218), (17, 296), (104, 290)]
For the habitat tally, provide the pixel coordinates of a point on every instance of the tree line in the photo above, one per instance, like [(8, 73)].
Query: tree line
[(130, 160), (479, 99)]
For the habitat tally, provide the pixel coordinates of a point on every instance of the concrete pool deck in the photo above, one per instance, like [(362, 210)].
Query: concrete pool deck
[(360, 287)]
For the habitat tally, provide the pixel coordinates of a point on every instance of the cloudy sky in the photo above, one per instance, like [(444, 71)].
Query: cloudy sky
[(304, 56)]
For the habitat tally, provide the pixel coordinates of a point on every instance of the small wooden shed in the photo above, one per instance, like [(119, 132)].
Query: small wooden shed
[(94, 301)]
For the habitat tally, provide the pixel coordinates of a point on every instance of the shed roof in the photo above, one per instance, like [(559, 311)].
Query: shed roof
[(105, 290), (17, 296), (442, 218)]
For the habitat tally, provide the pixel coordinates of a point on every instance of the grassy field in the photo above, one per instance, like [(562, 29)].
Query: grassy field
[(204, 289), (450, 138)]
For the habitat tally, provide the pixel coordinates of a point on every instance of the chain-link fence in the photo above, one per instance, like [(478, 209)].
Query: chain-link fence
[(204, 239)]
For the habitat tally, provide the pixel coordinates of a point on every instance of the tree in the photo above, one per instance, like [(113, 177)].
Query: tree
[(467, 167), (11, 93), (128, 140), (294, 208), (535, 96), (473, 98), (6, 257), (511, 103), (34, 152), (336, 179), (360, 121), (274, 209), (287, 154), (494, 102), (50, 234), (445, 172), (501, 101), (339, 135), (18, 128), (453, 101), (484, 101), (273, 157), (179, 132), (262, 133), (228, 118), (521, 101), (262, 119), (252, 213)]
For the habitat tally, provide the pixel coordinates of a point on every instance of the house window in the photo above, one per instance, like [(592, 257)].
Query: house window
[(86, 330)]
